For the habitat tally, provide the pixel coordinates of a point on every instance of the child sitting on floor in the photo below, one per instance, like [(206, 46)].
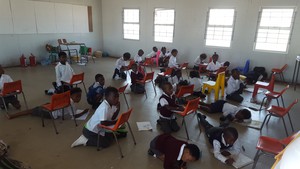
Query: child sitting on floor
[(138, 58), (199, 60), (173, 152), (164, 57), (196, 81), (214, 65), (106, 114), (235, 87), (121, 66), (230, 112), (4, 78), (167, 106), (96, 91), (224, 141), (135, 75)]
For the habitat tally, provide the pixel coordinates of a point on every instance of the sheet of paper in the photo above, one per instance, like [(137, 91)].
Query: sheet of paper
[(253, 124), (241, 160), (145, 125)]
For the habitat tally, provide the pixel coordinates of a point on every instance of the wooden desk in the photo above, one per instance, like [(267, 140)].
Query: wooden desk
[(71, 50)]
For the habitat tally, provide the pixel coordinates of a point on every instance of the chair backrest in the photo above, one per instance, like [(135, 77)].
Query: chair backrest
[(59, 101), (149, 77), (284, 67), (123, 88), (131, 62), (290, 106), (191, 106), (184, 65), (246, 67), (221, 69), (272, 83), (59, 41), (148, 61), (124, 117), (64, 41), (12, 87), (185, 90), (288, 139), (78, 78), (220, 78), (168, 71)]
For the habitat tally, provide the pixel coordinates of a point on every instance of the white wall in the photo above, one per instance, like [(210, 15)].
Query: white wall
[(190, 22), (12, 46)]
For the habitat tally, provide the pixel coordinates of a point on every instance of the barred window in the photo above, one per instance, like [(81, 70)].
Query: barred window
[(131, 24), (164, 25)]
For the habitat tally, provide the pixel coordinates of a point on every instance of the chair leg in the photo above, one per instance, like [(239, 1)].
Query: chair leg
[(118, 145), (153, 87), (84, 87), (53, 123), (126, 100), (63, 114), (133, 138), (25, 100), (262, 102), (291, 121), (185, 127), (282, 101), (6, 111), (73, 113), (287, 134), (268, 119), (264, 121), (255, 159), (43, 124), (277, 102), (98, 138)]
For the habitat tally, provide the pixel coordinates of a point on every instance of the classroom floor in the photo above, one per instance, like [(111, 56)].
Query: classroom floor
[(41, 148)]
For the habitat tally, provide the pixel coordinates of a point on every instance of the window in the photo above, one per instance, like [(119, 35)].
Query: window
[(274, 29), (131, 24), (219, 29), (164, 25)]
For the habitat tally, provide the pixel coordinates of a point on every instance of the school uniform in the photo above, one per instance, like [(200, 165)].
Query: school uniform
[(197, 62), (151, 54), (234, 89), (118, 68), (94, 90), (64, 73), (103, 113), (163, 59), (4, 78), (171, 148), (138, 59), (167, 119), (136, 87), (213, 66), (197, 87), (173, 62)]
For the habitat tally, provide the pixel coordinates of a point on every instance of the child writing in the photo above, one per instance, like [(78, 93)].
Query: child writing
[(4, 78), (235, 87), (106, 114), (224, 141), (230, 112), (135, 75), (63, 72), (167, 105), (121, 65), (196, 81), (173, 152), (199, 60), (152, 54), (138, 58), (96, 91)]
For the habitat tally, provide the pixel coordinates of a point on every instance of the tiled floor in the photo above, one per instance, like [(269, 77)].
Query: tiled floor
[(43, 149)]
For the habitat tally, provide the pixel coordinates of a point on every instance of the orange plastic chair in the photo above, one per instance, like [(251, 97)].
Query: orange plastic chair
[(76, 80), (280, 112), (131, 62), (259, 84), (124, 117), (122, 91), (272, 146), (147, 62), (280, 71), (58, 101), (192, 107), (215, 85), (11, 89), (148, 78), (184, 67), (274, 95), (185, 91), (167, 73), (156, 58)]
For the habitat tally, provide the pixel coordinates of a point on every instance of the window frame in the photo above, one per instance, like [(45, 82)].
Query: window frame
[(163, 24), (291, 28), (221, 26), (123, 22)]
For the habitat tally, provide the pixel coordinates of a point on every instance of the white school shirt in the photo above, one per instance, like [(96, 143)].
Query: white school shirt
[(120, 63), (138, 59), (197, 61), (173, 62), (161, 55), (103, 112), (152, 54), (232, 85), (67, 110), (212, 66), (234, 150), (229, 109), (197, 84), (63, 73), (4, 79)]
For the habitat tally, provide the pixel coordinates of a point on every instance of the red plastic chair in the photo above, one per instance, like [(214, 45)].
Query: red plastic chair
[(274, 95), (76, 80), (124, 117), (156, 59), (184, 67), (148, 78), (280, 112), (280, 71), (268, 145), (192, 107), (147, 62), (58, 102), (122, 91), (11, 89), (167, 73), (259, 84), (185, 91)]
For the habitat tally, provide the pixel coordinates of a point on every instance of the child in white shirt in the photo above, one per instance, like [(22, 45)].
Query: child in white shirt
[(235, 87), (172, 61), (152, 54), (199, 60), (196, 81), (121, 65), (214, 65), (164, 57), (138, 58)]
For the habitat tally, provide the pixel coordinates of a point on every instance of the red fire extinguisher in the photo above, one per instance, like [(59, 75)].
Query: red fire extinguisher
[(32, 61), (23, 61)]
